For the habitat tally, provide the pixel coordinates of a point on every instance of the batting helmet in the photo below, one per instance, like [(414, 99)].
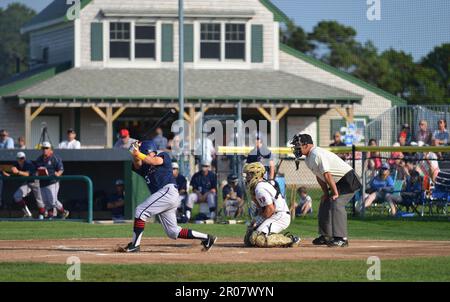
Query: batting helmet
[(147, 147)]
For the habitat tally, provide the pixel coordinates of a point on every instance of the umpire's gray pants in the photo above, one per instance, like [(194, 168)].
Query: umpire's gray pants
[(26, 189), (164, 204), (333, 216)]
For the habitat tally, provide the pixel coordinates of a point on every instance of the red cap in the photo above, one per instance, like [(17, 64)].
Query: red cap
[(124, 132)]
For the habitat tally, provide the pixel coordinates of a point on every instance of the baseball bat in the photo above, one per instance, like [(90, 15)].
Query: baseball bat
[(164, 118)]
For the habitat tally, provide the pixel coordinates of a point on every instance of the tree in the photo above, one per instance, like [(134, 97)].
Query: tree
[(13, 45), (295, 37), (439, 60)]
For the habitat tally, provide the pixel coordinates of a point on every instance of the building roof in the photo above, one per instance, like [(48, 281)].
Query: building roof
[(56, 11), (207, 84)]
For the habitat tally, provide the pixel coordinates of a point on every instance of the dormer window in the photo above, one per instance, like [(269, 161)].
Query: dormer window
[(210, 41), (235, 41), (145, 41), (119, 45)]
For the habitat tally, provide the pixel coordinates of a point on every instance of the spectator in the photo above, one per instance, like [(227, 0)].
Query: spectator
[(24, 167), (410, 193), (204, 190), (6, 142), (395, 155), (233, 197), (441, 134), (405, 135), (160, 140), (182, 191), (428, 164), (304, 205), (21, 143), (374, 158), (124, 140), (48, 164), (379, 187), (424, 135), (71, 142), (398, 167), (204, 150), (260, 153), (339, 143), (116, 202)]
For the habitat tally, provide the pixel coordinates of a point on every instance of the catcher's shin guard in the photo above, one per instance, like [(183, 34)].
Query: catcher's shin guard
[(260, 239)]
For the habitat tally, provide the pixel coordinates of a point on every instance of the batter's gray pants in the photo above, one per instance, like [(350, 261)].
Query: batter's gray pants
[(26, 189), (333, 216), (164, 204), (50, 196)]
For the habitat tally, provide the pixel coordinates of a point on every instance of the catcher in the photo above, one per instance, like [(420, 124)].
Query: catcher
[(272, 215)]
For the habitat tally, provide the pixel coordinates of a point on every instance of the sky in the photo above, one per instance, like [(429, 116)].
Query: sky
[(414, 26)]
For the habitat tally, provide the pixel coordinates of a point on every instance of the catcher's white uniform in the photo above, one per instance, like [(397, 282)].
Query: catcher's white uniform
[(265, 195)]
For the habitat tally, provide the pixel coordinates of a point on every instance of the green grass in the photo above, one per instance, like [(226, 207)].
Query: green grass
[(422, 269), (369, 228)]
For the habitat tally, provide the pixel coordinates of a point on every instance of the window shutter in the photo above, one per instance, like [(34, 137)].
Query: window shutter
[(257, 44), (96, 41), (335, 126), (167, 42), (189, 43)]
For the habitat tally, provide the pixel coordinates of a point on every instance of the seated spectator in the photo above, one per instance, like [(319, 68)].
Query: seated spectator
[(398, 167), (182, 191), (428, 164), (339, 143), (374, 158), (160, 140), (405, 135), (116, 202), (379, 187), (6, 142), (233, 197), (304, 205), (71, 142), (204, 190), (424, 135), (21, 143), (410, 194), (395, 155), (441, 135), (124, 140)]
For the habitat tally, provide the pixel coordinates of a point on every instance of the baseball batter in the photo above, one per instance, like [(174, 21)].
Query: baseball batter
[(24, 167), (273, 213), (48, 164), (156, 168)]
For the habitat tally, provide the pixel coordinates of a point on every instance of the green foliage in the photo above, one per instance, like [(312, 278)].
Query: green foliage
[(13, 45), (425, 82)]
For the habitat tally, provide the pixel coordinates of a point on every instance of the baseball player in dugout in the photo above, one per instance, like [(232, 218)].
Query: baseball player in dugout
[(272, 215), (156, 168), (48, 164), (338, 182)]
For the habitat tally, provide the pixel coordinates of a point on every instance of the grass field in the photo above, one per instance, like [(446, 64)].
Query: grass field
[(417, 269)]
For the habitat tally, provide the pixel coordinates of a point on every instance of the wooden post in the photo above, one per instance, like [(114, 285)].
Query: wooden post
[(28, 126), (109, 127), (192, 139)]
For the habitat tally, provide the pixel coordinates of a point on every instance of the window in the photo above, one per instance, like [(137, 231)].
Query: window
[(119, 35), (210, 41), (235, 41), (144, 44), (45, 55)]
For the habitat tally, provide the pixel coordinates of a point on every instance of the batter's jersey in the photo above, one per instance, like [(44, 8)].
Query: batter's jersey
[(320, 161), (265, 195), (157, 177), (53, 164)]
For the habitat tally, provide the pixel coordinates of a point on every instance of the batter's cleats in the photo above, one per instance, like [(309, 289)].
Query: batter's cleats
[(321, 240), (208, 243), (65, 214), (338, 242), (130, 248)]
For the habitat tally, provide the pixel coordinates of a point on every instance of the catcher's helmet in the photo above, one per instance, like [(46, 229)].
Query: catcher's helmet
[(232, 178), (253, 173), (297, 141), (147, 147)]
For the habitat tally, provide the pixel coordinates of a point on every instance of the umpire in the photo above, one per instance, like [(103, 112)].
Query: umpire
[(339, 183)]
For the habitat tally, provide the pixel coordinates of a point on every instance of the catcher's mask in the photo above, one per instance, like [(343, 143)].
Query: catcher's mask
[(253, 173), (298, 141)]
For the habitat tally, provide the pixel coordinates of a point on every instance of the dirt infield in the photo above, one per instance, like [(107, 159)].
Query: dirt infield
[(163, 250)]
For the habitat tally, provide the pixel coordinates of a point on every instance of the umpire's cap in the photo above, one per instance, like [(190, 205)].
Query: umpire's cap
[(302, 139), (148, 146)]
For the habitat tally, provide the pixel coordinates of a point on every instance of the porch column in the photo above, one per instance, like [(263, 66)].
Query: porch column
[(109, 117), (274, 118), (29, 117)]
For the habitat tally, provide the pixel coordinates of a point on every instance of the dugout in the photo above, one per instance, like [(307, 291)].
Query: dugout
[(103, 166)]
